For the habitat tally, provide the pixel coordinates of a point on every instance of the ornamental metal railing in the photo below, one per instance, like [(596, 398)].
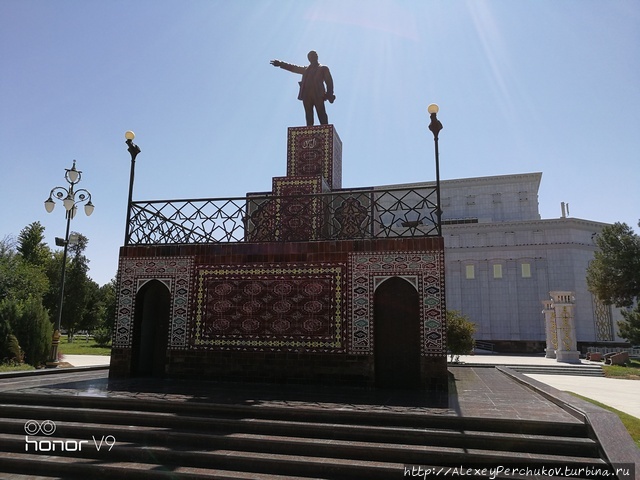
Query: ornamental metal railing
[(335, 215)]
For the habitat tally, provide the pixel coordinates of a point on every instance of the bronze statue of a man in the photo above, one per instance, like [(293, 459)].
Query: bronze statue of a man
[(312, 87)]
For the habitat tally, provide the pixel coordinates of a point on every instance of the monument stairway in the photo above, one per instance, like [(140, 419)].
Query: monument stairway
[(189, 440), (579, 370)]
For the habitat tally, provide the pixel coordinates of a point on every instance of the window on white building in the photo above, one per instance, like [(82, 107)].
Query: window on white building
[(526, 270), (470, 272), (497, 271)]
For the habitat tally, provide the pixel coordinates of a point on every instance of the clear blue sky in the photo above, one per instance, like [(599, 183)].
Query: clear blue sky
[(523, 86)]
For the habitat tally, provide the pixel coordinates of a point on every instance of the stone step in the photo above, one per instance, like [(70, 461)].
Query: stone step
[(159, 439), (138, 456), (174, 410), (585, 371), (356, 441), (37, 467)]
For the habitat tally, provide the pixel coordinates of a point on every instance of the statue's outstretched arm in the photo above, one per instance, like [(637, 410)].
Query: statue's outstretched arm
[(288, 66)]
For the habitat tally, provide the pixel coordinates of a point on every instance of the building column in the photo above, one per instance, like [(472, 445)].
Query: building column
[(550, 329), (567, 349)]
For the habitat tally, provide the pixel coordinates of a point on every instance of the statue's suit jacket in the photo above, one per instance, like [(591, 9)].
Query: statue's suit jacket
[(314, 78)]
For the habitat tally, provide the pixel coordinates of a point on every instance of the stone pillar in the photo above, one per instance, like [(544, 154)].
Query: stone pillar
[(550, 328), (567, 349)]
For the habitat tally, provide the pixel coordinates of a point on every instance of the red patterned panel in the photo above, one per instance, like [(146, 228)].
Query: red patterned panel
[(315, 150), (299, 214), (271, 308)]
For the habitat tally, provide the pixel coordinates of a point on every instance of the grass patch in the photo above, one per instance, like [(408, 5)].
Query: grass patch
[(15, 368), (631, 423), (631, 371), (81, 347)]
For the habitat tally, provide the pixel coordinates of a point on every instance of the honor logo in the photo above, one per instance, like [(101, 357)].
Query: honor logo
[(48, 428)]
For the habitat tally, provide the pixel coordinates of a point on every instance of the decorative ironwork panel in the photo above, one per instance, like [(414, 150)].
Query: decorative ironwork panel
[(351, 217), (339, 214), (405, 212)]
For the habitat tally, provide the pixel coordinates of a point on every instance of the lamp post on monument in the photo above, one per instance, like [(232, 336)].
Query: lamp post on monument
[(70, 199), (134, 150), (435, 126)]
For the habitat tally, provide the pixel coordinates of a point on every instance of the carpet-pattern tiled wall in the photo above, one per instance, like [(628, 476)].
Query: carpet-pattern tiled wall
[(286, 307), (133, 273), (282, 307), (425, 270)]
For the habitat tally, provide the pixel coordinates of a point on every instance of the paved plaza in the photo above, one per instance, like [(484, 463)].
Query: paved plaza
[(620, 394)]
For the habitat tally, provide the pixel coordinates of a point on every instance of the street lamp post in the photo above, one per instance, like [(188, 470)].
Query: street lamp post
[(435, 126), (70, 199), (134, 150)]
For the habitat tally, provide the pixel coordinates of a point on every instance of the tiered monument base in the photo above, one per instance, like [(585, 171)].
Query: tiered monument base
[(286, 305)]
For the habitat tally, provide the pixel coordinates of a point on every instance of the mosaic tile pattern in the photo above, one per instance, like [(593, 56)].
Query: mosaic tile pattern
[(133, 273), (298, 218), (554, 329), (566, 328), (425, 270), (604, 324), (270, 308), (315, 151)]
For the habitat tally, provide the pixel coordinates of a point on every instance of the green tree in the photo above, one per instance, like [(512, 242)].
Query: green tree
[(18, 278), (30, 323), (614, 275), (460, 333), (94, 311), (31, 245), (5, 334), (630, 326), (23, 320), (108, 293), (52, 270), (14, 352), (78, 312), (104, 330)]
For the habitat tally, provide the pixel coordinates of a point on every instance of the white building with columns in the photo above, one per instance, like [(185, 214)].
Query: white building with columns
[(502, 260)]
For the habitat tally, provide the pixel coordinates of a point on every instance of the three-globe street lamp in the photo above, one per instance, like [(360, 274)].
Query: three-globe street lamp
[(134, 150), (70, 198), (435, 126)]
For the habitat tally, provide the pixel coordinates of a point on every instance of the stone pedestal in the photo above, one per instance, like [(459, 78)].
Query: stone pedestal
[(315, 151), (567, 349), (292, 212), (550, 328)]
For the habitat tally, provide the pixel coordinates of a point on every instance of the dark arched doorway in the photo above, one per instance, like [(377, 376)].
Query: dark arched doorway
[(397, 334), (150, 330)]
